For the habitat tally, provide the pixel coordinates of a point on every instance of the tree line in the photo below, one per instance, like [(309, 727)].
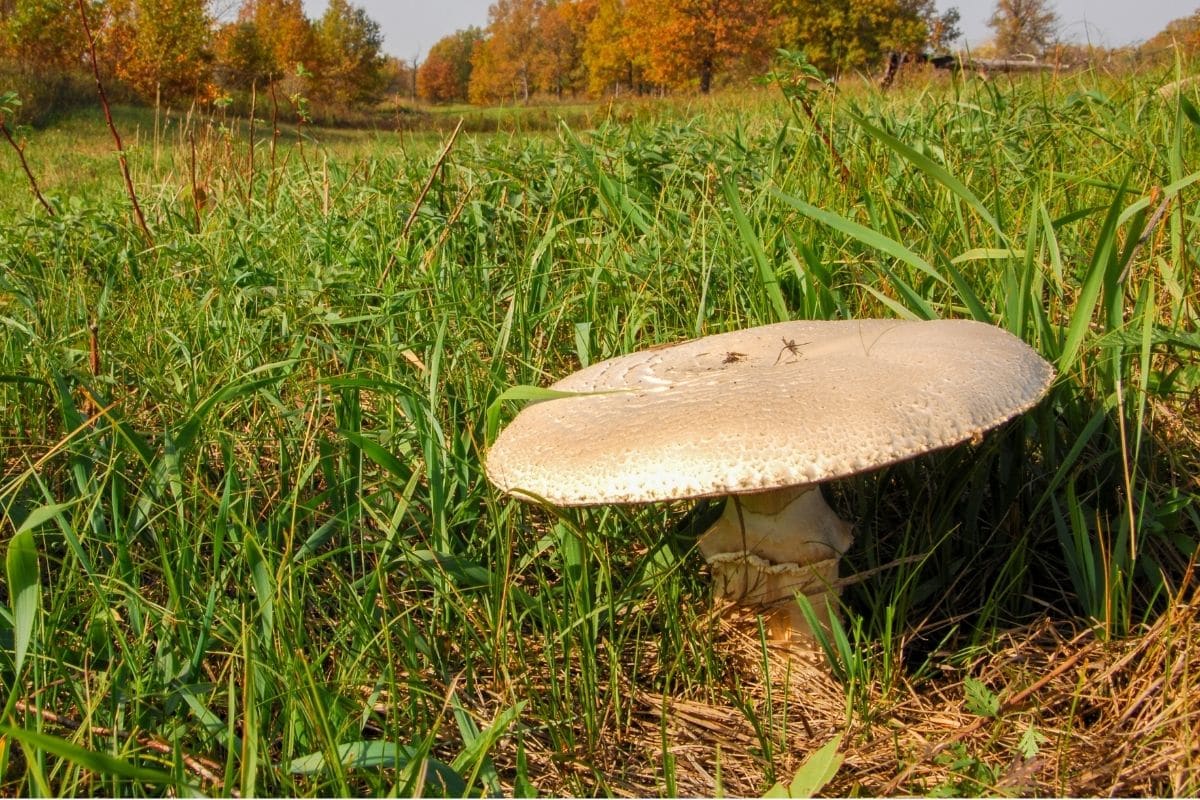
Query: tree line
[(177, 50), (614, 47)]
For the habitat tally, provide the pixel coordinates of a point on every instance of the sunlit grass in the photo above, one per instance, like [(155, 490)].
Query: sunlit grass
[(268, 560)]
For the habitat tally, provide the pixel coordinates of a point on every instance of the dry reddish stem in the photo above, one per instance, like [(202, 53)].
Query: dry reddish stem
[(843, 170), (197, 197), (94, 347), (1148, 231), (274, 142), (433, 173), (205, 769), (33, 184), (112, 128), (250, 177)]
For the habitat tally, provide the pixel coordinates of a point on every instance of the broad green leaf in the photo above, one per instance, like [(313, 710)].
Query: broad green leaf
[(479, 744), (440, 779), (24, 588), (380, 455), (41, 515), (987, 254), (264, 588), (901, 310), (329, 527), (355, 755), (186, 433), (22, 379), (814, 774), (465, 573), (1031, 742)]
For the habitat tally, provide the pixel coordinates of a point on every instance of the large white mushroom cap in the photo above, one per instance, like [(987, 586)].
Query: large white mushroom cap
[(779, 405)]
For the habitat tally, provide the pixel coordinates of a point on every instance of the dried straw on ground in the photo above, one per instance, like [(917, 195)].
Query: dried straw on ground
[(1110, 717)]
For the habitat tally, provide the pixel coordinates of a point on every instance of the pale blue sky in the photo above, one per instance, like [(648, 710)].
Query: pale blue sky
[(411, 26)]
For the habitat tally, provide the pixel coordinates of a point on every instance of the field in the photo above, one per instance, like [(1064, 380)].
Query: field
[(250, 547)]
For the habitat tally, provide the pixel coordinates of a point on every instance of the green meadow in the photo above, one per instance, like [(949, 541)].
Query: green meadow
[(249, 544)]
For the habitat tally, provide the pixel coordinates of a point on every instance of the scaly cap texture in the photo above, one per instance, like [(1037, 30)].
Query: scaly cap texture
[(752, 410)]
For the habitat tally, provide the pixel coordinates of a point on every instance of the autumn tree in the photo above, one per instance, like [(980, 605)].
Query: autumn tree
[(943, 27), (1023, 26), (243, 55), (400, 77), (350, 54), (160, 47), (1184, 32), (606, 54), (502, 66), (562, 27), (445, 75), (688, 42), (841, 35), (284, 34), (43, 34)]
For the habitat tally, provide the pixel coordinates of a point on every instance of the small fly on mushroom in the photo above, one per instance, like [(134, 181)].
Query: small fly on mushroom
[(790, 346)]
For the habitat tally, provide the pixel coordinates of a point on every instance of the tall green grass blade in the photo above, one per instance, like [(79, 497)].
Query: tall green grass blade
[(1100, 275), (621, 200), (916, 308), (863, 234), (398, 469), (473, 761), (935, 171), (533, 394), (750, 240), (187, 431), (967, 294), (263, 582)]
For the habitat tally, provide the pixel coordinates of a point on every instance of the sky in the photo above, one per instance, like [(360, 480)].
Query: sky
[(411, 26)]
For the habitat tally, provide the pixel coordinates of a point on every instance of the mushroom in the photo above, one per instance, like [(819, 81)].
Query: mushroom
[(764, 416)]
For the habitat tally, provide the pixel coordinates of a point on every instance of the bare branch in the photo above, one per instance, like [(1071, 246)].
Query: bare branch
[(137, 208), (33, 184)]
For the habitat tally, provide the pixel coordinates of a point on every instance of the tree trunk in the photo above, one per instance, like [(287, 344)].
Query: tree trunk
[(706, 74)]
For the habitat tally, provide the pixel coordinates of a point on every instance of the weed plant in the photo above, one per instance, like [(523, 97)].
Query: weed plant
[(250, 547)]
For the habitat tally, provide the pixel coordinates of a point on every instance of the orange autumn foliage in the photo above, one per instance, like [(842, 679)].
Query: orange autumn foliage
[(160, 47), (606, 53), (687, 42), (502, 65), (445, 74)]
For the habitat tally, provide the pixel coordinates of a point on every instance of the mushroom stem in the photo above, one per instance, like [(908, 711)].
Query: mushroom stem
[(769, 546)]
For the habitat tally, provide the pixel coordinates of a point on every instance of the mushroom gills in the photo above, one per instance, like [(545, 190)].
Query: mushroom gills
[(767, 547)]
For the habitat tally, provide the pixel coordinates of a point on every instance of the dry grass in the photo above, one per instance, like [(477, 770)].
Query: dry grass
[(1111, 718)]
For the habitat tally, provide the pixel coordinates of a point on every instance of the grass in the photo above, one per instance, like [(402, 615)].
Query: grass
[(250, 547)]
